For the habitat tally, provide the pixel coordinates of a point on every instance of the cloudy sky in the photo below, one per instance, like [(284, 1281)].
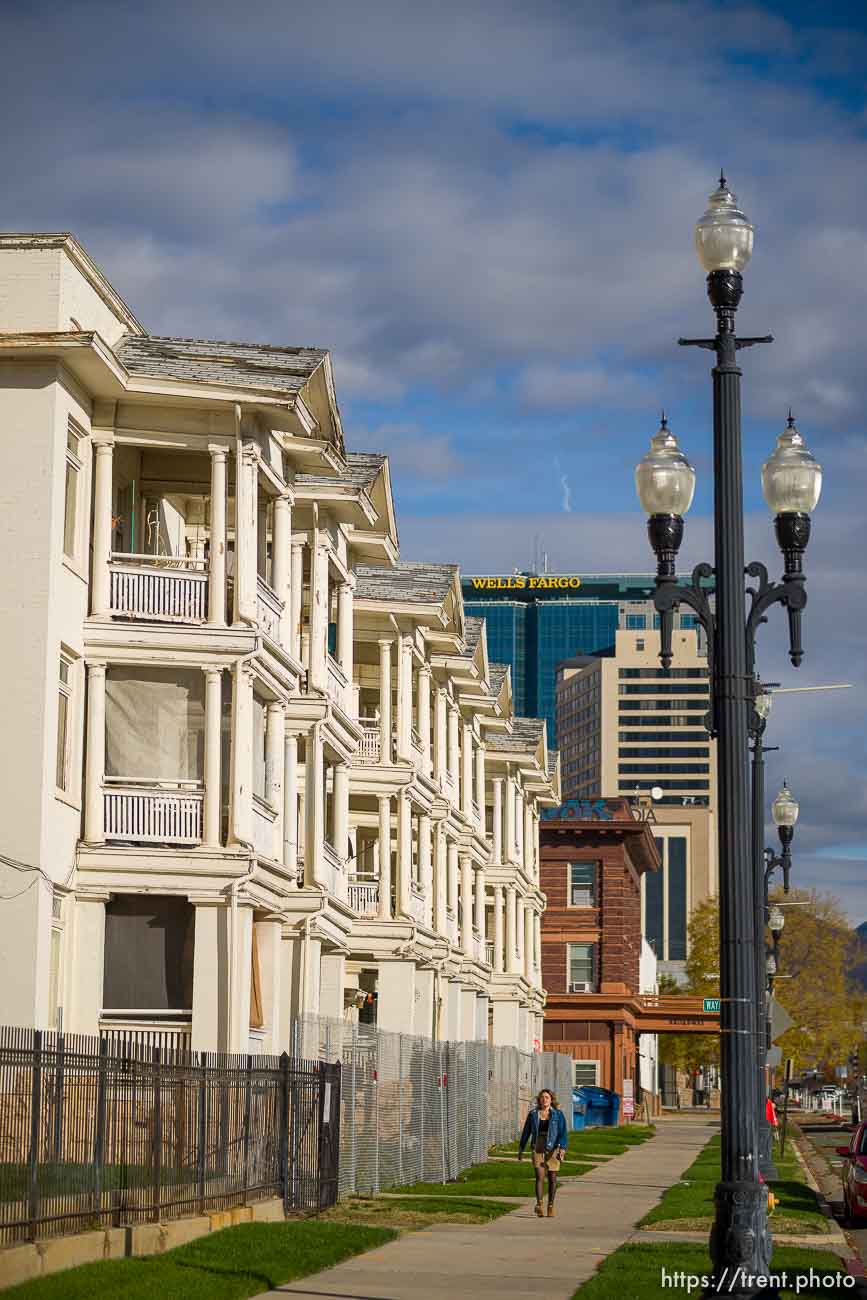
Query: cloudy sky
[(484, 209)]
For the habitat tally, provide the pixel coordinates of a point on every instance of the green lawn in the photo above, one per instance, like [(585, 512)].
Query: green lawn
[(495, 1178), (228, 1265), (689, 1203), (596, 1141), (635, 1270), (416, 1211)]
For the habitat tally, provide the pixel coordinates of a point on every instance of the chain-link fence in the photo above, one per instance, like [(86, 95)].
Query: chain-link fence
[(414, 1110)]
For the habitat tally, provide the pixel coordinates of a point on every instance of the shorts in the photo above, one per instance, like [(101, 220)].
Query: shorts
[(547, 1159)]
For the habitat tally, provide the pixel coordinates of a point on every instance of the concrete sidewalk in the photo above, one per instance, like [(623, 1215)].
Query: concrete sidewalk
[(519, 1254)]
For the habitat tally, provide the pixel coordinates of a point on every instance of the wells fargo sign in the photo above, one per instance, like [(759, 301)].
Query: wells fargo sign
[(527, 582)]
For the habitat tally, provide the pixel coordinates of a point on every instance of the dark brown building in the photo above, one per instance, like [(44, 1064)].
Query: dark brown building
[(593, 853)]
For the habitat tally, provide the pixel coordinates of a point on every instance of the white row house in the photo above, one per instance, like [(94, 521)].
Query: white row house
[(253, 765)]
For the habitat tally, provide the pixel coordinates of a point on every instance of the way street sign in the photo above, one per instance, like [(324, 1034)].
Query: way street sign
[(710, 1004), (780, 1021)]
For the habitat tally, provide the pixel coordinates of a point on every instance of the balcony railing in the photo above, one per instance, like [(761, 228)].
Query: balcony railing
[(170, 1033), (172, 589), (337, 682), (262, 830), (153, 812), (416, 903), (364, 895), (269, 608), (489, 953), (333, 873), (370, 749), (477, 813)]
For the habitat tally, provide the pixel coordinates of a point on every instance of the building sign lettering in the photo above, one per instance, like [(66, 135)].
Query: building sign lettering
[(528, 582), (588, 810)]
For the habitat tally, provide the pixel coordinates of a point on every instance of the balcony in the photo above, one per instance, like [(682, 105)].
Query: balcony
[(477, 814), (333, 877), (263, 828), (269, 609), (416, 903), (337, 682), (369, 751), (153, 812), (489, 953), (132, 1030), (364, 895), (163, 588)]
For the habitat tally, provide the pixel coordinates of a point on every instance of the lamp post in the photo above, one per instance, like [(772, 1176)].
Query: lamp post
[(762, 700), (791, 481)]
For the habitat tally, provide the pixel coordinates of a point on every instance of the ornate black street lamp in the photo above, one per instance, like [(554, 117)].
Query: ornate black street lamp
[(791, 481)]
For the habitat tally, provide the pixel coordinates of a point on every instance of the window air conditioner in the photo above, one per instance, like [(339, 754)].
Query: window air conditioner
[(582, 986)]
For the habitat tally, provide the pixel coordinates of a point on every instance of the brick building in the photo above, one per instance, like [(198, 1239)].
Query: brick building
[(593, 855)]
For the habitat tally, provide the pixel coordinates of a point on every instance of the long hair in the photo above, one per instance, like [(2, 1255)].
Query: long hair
[(555, 1105)]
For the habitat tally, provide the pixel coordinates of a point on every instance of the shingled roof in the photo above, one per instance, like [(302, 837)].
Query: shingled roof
[(413, 582), (497, 673), (525, 734), (210, 361), (361, 469), (472, 633)]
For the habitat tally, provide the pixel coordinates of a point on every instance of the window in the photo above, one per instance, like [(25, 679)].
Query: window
[(639, 643), (582, 884), (586, 1074), (148, 954), (581, 967), (636, 622), (64, 723), (73, 478)]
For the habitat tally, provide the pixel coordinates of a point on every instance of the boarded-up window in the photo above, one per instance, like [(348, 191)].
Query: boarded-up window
[(148, 954), (154, 724)]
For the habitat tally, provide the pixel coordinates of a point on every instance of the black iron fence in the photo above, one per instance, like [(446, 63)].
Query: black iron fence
[(101, 1133)]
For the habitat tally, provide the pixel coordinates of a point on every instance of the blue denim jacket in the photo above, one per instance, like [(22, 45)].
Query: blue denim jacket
[(557, 1132)]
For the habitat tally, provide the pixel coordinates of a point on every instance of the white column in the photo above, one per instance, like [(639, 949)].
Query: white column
[(425, 865), (296, 594), (213, 738), (275, 731), (94, 813), (467, 771), (100, 586), (404, 697), (345, 604), (217, 553), (242, 755), (454, 761), (498, 929), (404, 852), (314, 807), (385, 857), (385, 701), (529, 936), (341, 810), (497, 827), (467, 904), (281, 561), (511, 928), (480, 901), (519, 827), (290, 803), (440, 881), (440, 740), (262, 537), (452, 857), (423, 714), (509, 821), (480, 786), (318, 616), (521, 931), (537, 947), (246, 534)]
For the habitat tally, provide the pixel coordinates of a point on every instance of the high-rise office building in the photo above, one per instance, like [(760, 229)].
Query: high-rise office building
[(536, 620)]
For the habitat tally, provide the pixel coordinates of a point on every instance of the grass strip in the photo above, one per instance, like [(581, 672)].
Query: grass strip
[(417, 1211), (227, 1265), (636, 1271), (495, 1178)]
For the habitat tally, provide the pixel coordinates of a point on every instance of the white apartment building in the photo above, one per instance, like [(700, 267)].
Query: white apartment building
[(253, 766)]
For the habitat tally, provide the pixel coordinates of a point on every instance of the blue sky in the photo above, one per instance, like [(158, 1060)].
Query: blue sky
[(485, 211)]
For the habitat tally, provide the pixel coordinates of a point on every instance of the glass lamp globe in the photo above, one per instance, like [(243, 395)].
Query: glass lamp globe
[(771, 964), (791, 476), (723, 235), (784, 809), (762, 704), (777, 919), (664, 478)]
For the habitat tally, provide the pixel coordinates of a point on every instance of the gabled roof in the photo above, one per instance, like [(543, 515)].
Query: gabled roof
[(409, 581), (499, 673), (525, 734), (211, 361), (361, 468), (472, 633)]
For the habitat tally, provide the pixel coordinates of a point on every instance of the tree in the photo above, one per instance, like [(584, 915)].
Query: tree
[(817, 951)]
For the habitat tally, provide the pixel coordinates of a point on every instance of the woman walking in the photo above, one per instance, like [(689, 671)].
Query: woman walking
[(545, 1130)]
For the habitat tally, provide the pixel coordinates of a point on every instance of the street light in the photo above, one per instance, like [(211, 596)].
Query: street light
[(740, 1242), (776, 921)]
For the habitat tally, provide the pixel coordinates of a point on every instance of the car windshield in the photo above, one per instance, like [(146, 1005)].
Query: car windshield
[(862, 1149)]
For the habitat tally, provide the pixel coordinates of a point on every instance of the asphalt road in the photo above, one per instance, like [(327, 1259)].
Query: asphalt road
[(826, 1137)]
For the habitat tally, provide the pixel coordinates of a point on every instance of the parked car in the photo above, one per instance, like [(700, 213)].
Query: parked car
[(854, 1175)]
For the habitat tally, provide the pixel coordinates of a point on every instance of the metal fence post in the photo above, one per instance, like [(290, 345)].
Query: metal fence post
[(422, 1102), (442, 1087), (284, 1129), (58, 1097), (35, 1115), (203, 1130), (400, 1108), (99, 1140), (377, 1114), (158, 1136), (352, 1103), (248, 1088)]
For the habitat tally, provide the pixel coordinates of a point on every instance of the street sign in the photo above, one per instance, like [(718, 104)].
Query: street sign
[(710, 1004), (780, 1021)]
